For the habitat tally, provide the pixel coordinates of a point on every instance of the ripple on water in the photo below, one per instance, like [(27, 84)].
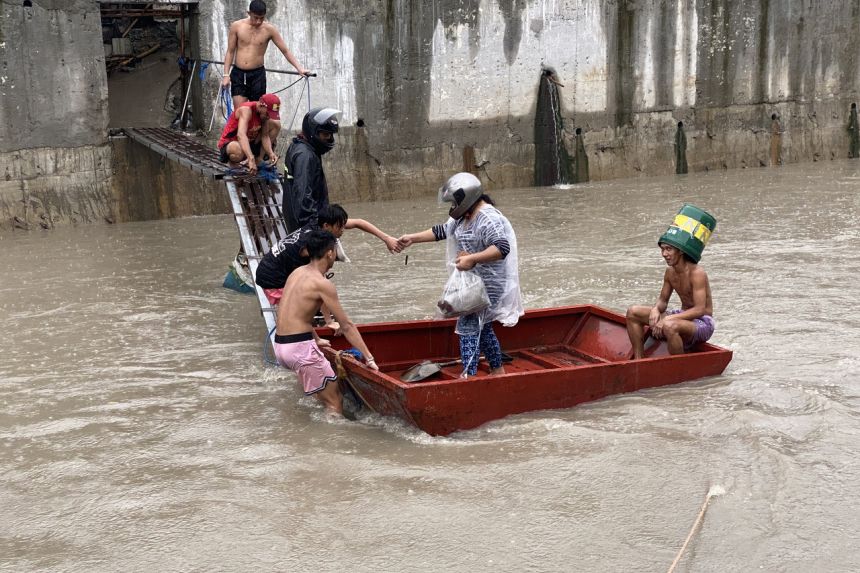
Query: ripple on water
[(138, 414)]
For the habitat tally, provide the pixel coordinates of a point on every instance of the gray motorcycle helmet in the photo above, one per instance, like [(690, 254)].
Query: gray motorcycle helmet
[(463, 190), (317, 120)]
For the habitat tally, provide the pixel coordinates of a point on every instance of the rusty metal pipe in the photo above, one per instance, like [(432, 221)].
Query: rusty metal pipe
[(289, 72)]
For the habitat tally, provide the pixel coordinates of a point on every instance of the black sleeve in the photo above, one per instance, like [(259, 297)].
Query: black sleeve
[(303, 194), (494, 235), (267, 275), (504, 247), (306, 173)]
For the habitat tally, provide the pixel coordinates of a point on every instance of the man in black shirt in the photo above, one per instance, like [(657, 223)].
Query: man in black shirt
[(290, 253)]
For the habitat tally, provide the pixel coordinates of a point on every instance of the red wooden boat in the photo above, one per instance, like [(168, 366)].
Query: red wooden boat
[(561, 357)]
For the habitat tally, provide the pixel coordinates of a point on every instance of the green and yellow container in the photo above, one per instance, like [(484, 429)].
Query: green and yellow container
[(690, 231)]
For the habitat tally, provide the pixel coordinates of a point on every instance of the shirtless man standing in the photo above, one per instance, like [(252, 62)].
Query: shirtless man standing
[(296, 342), (681, 247), (248, 39)]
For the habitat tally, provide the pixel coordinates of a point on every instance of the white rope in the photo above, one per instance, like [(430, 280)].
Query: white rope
[(295, 113), (215, 101), (214, 107), (714, 491), (187, 93)]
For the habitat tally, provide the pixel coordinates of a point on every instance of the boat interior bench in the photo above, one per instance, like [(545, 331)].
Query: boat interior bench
[(564, 341)]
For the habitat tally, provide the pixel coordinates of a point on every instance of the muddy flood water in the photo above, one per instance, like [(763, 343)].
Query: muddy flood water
[(141, 430)]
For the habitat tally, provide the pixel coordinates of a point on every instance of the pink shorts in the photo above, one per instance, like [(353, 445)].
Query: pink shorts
[(274, 295), (300, 353)]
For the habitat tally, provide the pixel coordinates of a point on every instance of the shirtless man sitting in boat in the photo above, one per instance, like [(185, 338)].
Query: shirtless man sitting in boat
[(248, 39), (681, 329), (296, 342)]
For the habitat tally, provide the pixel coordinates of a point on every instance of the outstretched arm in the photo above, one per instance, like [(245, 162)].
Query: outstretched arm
[(422, 237), (368, 227), (350, 332), (232, 40), (279, 42)]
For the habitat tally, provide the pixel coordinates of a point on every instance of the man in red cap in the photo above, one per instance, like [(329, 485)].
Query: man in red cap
[(250, 135)]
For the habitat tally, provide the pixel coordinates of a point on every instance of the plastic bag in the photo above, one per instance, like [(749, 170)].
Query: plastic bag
[(341, 254), (464, 293)]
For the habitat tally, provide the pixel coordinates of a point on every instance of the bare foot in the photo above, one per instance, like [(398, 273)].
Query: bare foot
[(499, 370)]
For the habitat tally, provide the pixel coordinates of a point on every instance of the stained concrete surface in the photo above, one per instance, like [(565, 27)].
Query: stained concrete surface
[(53, 89), (142, 97), (429, 80), (149, 186)]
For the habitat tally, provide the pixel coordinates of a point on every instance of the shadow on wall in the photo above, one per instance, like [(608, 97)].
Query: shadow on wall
[(681, 150), (853, 133), (775, 140), (553, 164)]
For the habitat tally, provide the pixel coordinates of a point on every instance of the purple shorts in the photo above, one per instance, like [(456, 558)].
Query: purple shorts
[(300, 353), (704, 329)]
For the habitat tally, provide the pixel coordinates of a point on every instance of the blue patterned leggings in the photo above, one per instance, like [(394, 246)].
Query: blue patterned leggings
[(471, 347)]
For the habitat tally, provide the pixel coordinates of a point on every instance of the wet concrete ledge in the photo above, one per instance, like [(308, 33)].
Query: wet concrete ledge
[(148, 186), (118, 182), (44, 187), (125, 181)]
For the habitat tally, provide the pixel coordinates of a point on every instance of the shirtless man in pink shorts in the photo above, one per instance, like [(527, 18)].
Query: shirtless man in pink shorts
[(296, 342)]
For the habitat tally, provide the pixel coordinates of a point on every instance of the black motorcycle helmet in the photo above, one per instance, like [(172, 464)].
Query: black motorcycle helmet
[(317, 120)]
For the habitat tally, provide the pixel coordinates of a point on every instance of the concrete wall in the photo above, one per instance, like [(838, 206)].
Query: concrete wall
[(435, 82), (48, 186), (430, 77), (54, 159), (147, 185)]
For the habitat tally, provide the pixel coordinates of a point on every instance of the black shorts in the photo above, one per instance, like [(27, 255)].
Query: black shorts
[(256, 147), (248, 83)]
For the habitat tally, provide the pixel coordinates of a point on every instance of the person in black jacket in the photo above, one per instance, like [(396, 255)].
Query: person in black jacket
[(306, 189)]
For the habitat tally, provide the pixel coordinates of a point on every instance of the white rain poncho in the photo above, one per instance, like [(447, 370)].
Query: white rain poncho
[(501, 278)]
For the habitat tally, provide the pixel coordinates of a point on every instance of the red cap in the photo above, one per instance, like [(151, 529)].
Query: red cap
[(273, 104)]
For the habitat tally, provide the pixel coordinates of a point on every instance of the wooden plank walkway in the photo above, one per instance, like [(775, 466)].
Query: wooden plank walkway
[(188, 151), (256, 202)]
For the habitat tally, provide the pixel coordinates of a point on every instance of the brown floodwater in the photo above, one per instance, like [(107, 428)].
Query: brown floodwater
[(141, 429)]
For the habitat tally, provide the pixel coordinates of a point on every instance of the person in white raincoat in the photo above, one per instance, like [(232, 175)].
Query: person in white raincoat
[(478, 237)]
